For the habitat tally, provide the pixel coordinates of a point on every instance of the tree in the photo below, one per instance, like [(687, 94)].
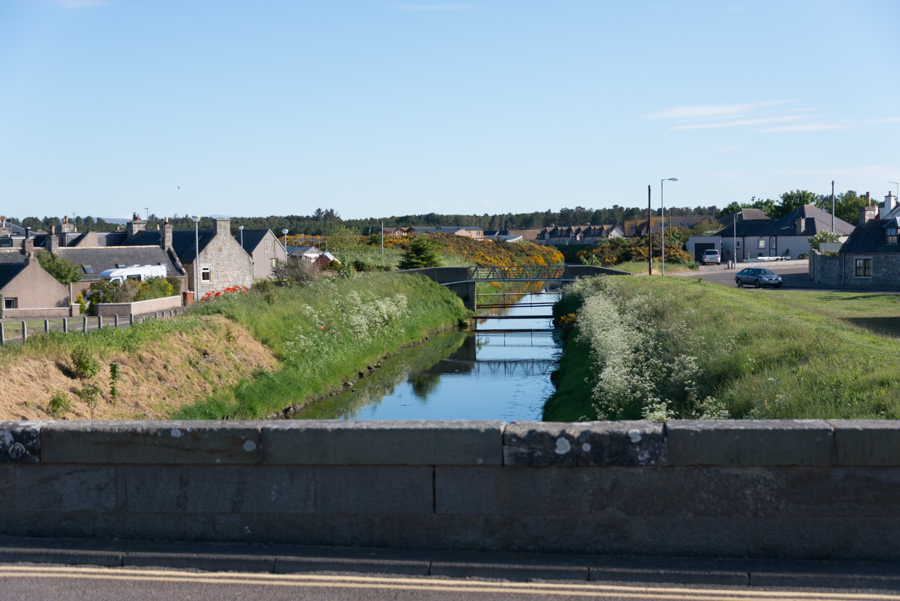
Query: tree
[(64, 272), (342, 238), (821, 237), (793, 200), (706, 227), (421, 253), (846, 205)]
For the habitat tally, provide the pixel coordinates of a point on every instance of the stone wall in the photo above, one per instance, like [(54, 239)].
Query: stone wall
[(825, 269), (139, 307), (767, 489)]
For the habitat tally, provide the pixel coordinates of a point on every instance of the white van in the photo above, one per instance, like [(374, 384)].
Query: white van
[(135, 272)]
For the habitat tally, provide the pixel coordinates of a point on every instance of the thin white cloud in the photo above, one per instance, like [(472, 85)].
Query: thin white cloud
[(435, 7), (801, 127), (711, 111), (739, 123)]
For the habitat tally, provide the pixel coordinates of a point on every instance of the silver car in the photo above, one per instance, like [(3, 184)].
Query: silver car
[(711, 255), (757, 276)]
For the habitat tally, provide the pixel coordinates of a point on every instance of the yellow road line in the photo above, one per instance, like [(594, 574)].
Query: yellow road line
[(421, 584)]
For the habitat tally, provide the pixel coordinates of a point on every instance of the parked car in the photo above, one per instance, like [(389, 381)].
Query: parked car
[(711, 255), (757, 276)]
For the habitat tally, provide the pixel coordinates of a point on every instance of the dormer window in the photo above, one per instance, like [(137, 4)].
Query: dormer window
[(891, 236)]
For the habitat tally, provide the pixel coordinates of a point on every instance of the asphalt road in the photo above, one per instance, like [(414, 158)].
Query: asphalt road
[(45, 583), (795, 277)]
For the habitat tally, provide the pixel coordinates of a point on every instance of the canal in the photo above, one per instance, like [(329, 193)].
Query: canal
[(500, 371)]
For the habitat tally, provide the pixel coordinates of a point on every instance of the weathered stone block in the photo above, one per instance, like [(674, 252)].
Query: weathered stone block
[(555, 534), (63, 489), (20, 442), (866, 538), (151, 489), (584, 443), (843, 492), (275, 489), (490, 491), (750, 442), (47, 524), (341, 442), (679, 493), (140, 526), (709, 537), (374, 490), (866, 442), (163, 442)]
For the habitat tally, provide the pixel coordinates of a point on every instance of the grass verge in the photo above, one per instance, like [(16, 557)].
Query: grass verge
[(324, 334), (657, 348)]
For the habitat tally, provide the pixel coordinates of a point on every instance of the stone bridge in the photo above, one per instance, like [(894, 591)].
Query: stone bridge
[(462, 280)]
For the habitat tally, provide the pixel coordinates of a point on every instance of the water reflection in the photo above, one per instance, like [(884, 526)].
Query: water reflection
[(503, 373)]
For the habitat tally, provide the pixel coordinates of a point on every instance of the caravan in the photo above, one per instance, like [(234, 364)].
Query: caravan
[(135, 272)]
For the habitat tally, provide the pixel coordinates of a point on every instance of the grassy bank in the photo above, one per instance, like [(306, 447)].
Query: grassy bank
[(324, 333), (675, 348), (159, 365), (641, 267)]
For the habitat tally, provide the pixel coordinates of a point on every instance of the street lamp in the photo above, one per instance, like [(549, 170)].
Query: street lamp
[(196, 219), (663, 205), (898, 188), (285, 240), (241, 227)]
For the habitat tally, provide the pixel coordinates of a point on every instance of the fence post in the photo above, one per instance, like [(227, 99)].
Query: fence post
[(131, 319), (116, 320), (24, 331), (2, 334), (65, 326), (99, 322), (84, 325), (46, 326)]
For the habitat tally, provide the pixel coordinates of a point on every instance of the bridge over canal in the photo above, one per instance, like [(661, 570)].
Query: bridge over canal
[(462, 280)]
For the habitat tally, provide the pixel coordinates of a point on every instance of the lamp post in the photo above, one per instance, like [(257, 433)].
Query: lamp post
[(663, 229), (898, 187), (196, 219), (241, 228), (284, 232)]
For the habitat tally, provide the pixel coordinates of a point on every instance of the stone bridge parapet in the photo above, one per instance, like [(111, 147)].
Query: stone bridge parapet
[(806, 489)]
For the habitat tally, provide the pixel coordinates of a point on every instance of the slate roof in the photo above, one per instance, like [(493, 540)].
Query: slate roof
[(9, 271), (252, 239), (301, 250), (101, 259), (183, 242), (871, 238), (816, 220)]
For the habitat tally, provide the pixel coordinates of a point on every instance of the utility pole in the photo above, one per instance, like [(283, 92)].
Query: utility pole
[(832, 206), (382, 241), (649, 236)]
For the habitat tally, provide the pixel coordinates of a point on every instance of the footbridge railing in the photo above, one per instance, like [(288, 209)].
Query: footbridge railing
[(526, 273)]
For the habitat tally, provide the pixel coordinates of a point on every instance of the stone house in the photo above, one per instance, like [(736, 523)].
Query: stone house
[(476, 233), (222, 262), (92, 261), (869, 258), (29, 291), (310, 254), (265, 250)]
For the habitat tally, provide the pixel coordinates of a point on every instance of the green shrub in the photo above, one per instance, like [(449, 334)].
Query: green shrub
[(85, 366), (153, 288), (263, 286), (59, 403), (90, 396), (115, 376), (422, 253)]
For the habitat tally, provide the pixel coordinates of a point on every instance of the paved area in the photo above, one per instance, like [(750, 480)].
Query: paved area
[(32, 569), (795, 275)]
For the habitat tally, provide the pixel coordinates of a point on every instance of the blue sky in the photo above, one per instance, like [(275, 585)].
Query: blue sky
[(380, 108)]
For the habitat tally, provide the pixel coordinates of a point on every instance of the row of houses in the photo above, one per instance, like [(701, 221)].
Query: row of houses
[(212, 257)]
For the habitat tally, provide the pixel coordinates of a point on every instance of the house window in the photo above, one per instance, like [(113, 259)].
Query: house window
[(762, 243), (274, 263), (863, 268), (205, 274), (737, 243), (88, 269), (270, 246), (892, 235), (10, 303)]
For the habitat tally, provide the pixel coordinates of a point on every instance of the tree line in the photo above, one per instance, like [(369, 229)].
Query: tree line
[(323, 221)]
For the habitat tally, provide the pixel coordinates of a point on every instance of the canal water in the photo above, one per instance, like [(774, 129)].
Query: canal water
[(500, 371)]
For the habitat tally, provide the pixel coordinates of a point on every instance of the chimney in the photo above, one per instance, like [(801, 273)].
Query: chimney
[(134, 226), (890, 203), (868, 199), (800, 225), (53, 241), (165, 235), (223, 227), (27, 245), (66, 226), (867, 213)]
